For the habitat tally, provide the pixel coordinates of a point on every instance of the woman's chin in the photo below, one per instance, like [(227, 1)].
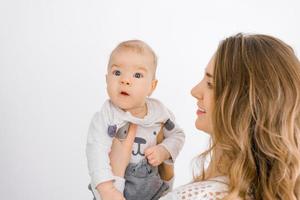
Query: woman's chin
[(202, 127)]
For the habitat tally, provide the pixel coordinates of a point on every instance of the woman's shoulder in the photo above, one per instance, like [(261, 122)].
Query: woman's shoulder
[(212, 189)]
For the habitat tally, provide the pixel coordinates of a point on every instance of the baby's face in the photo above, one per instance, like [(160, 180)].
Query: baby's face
[(130, 78)]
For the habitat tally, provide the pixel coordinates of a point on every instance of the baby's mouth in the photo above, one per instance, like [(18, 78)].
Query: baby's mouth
[(124, 93)]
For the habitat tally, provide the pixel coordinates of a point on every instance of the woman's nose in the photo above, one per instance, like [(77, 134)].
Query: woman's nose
[(197, 91)]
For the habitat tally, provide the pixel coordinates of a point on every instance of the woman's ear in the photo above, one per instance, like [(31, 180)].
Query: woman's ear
[(153, 86)]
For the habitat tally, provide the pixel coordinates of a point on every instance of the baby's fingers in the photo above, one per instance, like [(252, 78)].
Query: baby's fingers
[(153, 162), (149, 151)]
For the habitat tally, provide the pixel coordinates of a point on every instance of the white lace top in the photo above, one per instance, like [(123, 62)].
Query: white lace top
[(212, 189)]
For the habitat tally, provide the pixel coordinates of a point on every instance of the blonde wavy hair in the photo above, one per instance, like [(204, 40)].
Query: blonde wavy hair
[(256, 119)]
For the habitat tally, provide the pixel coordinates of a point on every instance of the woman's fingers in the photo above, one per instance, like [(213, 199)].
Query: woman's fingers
[(131, 135)]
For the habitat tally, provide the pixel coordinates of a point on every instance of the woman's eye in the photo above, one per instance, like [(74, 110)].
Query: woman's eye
[(116, 73), (209, 85), (138, 75)]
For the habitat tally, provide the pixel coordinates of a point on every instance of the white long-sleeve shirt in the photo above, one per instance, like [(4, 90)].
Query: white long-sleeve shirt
[(99, 142)]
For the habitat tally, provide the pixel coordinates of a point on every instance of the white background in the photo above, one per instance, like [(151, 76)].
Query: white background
[(53, 57)]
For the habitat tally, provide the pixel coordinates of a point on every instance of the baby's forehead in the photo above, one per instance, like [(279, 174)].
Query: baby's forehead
[(144, 55), (139, 51)]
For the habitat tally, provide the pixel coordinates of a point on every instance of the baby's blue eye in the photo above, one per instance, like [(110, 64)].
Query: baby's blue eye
[(138, 75), (116, 73)]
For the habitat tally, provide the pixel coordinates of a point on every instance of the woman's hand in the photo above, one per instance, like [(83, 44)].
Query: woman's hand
[(121, 152)]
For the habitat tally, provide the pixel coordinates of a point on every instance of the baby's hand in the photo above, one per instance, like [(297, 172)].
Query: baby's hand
[(156, 155)]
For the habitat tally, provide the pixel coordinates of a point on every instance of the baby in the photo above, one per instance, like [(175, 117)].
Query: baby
[(130, 81)]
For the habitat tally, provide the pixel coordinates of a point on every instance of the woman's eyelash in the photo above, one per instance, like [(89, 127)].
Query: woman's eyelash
[(209, 84)]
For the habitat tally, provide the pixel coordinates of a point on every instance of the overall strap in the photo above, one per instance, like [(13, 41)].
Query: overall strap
[(166, 171)]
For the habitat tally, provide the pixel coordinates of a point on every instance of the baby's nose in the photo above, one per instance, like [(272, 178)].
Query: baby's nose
[(126, 82)]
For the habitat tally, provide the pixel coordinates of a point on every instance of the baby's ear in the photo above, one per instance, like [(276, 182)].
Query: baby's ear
[(106, 78), (153, 86)]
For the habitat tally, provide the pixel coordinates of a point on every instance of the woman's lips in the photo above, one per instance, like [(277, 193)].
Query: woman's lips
[(200, 112)]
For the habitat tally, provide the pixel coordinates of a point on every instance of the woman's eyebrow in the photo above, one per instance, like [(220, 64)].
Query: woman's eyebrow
[(208, 75)]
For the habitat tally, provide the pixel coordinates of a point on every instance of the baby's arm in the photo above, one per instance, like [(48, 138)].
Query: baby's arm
[(173, 139), (170, 146)]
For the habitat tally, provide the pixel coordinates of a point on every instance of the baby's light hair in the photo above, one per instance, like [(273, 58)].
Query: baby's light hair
[(137, 46)]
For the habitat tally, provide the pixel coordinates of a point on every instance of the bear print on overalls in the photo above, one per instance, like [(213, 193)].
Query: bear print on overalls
[(144, 181)]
